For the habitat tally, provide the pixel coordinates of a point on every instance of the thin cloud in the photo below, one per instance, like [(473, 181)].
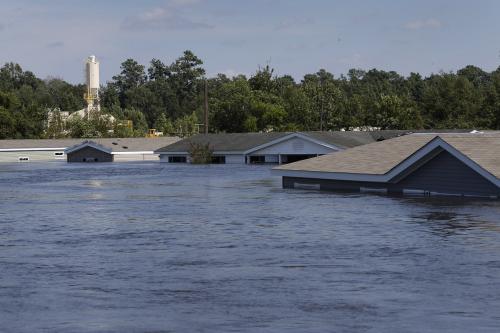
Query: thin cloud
[(293, 23), (353, 60), (180, 3), (431, 23), (55, 44), (168, 17), (234, 43)]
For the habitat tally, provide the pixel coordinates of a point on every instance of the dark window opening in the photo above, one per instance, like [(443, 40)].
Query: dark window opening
[(295, 158), (257, 159), (177, 159), (218, 159)]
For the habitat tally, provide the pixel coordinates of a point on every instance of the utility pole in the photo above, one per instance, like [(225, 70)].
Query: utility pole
[(322, 80), (206, 107)]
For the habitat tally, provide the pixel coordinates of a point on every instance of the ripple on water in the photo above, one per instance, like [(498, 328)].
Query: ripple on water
[(181, 248)]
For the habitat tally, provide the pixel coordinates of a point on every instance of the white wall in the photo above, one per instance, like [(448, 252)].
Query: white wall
[(235, 159), (34, 156), (135, 157), (292, 146)]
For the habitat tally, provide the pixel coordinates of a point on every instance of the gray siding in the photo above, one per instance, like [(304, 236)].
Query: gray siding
[(446, 174), (443, 174), (88, 153)]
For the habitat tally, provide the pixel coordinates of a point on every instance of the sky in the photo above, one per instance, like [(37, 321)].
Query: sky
[(52, 38)]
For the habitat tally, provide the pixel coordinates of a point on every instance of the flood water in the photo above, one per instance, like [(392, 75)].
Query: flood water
[(184, 248)]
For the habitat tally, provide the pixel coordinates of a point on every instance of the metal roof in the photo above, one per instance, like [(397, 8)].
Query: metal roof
[(115, 144), (241, 142), (381, 157)]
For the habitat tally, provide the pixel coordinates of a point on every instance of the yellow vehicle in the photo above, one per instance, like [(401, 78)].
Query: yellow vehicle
[(153, 133)]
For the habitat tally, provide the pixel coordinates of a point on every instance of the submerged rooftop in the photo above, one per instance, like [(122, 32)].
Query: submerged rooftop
[(115, 144), (380, 158), (241, 142)]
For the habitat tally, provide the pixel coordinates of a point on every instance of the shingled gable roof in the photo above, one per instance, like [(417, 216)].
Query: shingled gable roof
[(115, 144), (382, 161), (247, 142), (87, 143), (237, 142)]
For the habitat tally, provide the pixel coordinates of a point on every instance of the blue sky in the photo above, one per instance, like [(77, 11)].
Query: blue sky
[(52, 38)]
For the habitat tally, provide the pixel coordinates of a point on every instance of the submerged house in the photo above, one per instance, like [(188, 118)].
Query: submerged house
[(273, 147), (425, 164), (28, 150), (113, 150), (46, 150)]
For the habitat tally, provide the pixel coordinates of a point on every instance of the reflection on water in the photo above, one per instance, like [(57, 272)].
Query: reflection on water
[(181, 248)]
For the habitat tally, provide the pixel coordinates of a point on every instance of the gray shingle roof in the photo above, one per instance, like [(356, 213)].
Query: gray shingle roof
[(240, 142), (115, 144), (352, 139), (380, 157), (236, 142)]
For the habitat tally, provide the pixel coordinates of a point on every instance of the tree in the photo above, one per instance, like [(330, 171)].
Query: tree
[(158, 70), (262, 79), (185, 77), (170, 99), (163, 124), (7, 124), (230, 106), (393, 112), (200, 153), (131, 76), (186, 126), (139, 123)]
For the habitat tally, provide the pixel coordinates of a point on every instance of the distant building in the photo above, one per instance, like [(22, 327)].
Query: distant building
[(44, 150), (273, 147), (57, 118), (114, 150), (423, 164)]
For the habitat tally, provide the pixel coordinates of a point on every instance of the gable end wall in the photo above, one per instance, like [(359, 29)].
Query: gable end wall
[(446, 174), (89, 152)]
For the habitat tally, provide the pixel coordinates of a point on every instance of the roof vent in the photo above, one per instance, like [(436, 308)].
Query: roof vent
[(114, 143), (124, 147)]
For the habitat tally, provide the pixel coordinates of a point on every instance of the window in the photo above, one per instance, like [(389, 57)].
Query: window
[(177, 159), (24, 158), (218, 159), (257, 159)]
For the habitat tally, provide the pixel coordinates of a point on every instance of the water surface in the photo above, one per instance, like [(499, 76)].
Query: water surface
[(183, 248)]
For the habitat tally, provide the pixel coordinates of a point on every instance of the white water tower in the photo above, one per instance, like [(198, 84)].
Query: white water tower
[(92, 78)]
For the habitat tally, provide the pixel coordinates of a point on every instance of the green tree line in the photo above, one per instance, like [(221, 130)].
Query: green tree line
[(170, 99)]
